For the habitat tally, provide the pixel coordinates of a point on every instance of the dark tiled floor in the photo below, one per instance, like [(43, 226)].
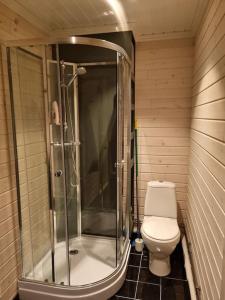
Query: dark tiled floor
[(141, 284)]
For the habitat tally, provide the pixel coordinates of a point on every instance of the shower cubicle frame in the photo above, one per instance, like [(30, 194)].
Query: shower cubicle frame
[(35, 285)]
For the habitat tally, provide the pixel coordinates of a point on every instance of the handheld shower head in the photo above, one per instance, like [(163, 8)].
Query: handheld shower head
[(79, 71)]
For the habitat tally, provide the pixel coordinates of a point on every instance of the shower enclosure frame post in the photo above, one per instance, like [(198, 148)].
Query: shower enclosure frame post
[(61, 95), (49, 157), (123, 105), (119, 163), (128, 204), (77, 141)]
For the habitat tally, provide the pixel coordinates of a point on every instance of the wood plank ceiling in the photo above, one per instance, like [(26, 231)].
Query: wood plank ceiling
[(149, 19)]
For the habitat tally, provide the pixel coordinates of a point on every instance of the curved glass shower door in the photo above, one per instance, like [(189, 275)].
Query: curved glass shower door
[(96, 120), (123, 153)]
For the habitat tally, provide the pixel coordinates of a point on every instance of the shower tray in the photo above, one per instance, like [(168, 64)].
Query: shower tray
[(91, 277)]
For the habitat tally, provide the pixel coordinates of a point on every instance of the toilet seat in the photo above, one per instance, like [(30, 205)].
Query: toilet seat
[(160, 228)]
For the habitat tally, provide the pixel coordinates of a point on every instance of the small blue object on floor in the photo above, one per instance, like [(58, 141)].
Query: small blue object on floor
[(141, 284)]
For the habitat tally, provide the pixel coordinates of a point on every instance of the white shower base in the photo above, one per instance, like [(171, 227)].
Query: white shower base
[(96, 260), (93, 272)]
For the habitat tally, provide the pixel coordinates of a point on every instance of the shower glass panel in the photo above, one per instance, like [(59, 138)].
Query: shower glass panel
[(98, 135), (59, 173), (71, 144), (28, 114)]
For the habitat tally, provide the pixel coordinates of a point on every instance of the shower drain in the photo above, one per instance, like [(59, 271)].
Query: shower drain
[(74, 252)]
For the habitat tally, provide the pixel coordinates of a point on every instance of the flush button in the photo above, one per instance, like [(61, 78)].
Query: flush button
[(158, 249)]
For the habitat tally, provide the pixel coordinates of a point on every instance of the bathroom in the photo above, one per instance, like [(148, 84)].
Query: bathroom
[(112, 149)]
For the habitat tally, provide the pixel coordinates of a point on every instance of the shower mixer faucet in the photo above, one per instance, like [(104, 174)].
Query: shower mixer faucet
[(58, 173)]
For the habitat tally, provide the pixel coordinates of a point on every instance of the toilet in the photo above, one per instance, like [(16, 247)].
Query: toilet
[(160, 230)]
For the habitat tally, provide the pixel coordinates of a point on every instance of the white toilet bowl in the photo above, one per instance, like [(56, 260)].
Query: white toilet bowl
[(160, 230), (161, 236)]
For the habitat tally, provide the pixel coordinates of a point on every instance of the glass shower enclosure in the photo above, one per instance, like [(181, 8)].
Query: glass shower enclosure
[(71, 110)]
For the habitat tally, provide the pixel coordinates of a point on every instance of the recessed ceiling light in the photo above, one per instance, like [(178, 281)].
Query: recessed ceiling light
[(108, 13)]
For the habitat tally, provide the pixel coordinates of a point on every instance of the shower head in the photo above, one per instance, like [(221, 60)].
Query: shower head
[(79, 71)]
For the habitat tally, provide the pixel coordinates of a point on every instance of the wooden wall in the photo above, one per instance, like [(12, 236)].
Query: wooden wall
[(163, 110), (9, 232), (206, 187), (12, 27)]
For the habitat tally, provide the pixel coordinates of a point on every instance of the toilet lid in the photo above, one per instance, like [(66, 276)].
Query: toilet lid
[(160, 228)]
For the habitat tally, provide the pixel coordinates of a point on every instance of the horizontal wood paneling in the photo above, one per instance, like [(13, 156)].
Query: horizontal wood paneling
[(9, 233), (12, 26), (163, 110), (205, 223)]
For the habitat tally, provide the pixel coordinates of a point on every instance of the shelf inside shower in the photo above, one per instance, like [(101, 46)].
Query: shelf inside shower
[(93, 260)]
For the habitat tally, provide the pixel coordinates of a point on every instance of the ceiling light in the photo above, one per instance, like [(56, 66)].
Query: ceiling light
[(108, 13)]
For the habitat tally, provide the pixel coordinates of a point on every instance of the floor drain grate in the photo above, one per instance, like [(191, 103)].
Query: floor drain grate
[(74, 252)]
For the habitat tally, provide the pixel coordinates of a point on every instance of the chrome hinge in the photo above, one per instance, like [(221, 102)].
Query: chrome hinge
[(120, 164)]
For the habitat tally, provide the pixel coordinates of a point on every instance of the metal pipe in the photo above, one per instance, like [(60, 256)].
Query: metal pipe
[(100, 63), (57, 144), (187, 264)]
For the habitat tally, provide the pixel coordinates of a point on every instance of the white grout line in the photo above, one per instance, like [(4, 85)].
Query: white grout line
[(151, 283), (160, 295), (133, 266), (178, 279), (138, 275)]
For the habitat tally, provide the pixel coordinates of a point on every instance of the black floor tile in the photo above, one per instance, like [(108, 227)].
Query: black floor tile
[(145, 262), (175, 289), (146, 291), (147, 286), (132, 273), (128, 289), (177, 264), (132, 250), (145, 251), (146, 276), (134, 260)]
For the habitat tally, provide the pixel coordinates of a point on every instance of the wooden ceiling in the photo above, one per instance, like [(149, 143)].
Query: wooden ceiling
[(149, 19)]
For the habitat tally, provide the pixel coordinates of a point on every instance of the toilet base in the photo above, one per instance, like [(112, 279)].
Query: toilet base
[(159, 266)]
